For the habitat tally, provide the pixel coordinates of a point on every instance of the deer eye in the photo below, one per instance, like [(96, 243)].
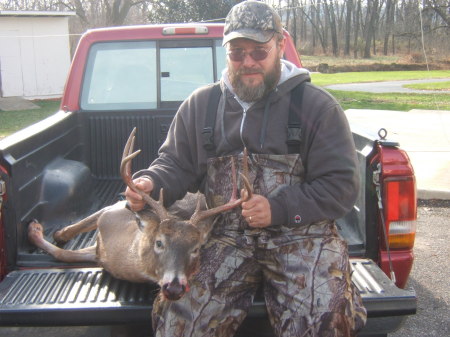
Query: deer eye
[(159, 246), (195, 252)]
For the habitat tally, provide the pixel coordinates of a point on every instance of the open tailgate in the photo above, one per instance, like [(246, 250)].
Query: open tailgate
[(90, 296)]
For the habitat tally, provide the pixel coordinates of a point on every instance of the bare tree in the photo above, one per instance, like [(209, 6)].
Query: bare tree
[(318, 31), (441, 7), (389, 19), (118, 11), (166, 11), (357, 25), (101, 13), (331, 18), (348, 27), (354, 25), (371, 17)]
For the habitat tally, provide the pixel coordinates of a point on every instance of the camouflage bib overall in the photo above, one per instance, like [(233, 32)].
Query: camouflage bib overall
[(304, 269)]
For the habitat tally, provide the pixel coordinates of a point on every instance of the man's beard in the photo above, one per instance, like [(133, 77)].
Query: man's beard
[(254, 93)]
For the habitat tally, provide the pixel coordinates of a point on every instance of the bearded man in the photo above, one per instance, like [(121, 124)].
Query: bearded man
[(303, 169)]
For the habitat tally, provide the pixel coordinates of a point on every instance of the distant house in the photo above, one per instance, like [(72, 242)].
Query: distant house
[(34, 53)]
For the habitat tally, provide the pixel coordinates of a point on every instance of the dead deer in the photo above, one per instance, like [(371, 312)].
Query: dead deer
[(151, 245)]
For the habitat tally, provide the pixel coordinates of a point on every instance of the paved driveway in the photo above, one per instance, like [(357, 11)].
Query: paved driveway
[(424, 134)]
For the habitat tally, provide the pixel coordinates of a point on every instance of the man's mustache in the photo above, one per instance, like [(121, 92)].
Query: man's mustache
[(247, 71)]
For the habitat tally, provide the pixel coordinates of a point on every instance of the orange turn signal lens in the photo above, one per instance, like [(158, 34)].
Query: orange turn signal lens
[(402, 234)]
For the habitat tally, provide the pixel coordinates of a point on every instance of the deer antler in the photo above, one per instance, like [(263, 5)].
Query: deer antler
[(125, 172), (232, 203)]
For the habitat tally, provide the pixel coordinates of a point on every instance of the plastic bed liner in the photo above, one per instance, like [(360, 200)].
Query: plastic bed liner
[(91, 296)]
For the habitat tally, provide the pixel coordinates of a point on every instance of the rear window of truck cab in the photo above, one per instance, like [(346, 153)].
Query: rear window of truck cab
[(149, 74)]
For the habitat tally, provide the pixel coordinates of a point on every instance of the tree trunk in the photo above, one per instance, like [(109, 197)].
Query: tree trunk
[(372, 11), (348, 27), (325, 23), (313, 30), (393, 44), (294, 25), (390, 10), (288, 12), (357, 25), (316, 24), (442, 8), (333, 30)]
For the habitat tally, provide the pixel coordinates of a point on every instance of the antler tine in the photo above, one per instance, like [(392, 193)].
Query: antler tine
[(247, 186), (232, 203), (244, 174), (245, 162), (125, 172), (127, 156)]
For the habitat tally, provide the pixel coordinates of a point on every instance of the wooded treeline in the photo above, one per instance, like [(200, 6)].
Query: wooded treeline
[(362, 28), (356, 28)]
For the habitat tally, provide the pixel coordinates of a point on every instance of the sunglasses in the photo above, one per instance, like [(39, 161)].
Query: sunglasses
[(258, 54)]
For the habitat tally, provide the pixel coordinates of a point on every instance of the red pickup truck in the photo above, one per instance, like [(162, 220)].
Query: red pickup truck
[(67, 166)]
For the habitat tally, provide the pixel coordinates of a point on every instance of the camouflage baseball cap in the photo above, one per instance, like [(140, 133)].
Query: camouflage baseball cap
[(252, 20)]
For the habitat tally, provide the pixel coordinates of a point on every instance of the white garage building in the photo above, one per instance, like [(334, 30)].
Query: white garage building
[(34, 53)]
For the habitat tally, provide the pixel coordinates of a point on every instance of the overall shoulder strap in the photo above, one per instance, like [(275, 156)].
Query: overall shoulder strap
[(210, 120), (294, 126)]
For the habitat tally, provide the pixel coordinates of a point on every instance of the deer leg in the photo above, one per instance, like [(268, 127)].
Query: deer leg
[(86, 225), (36, 236)]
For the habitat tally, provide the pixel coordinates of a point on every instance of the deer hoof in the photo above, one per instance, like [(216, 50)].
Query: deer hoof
[(59, 236), (35, 231)]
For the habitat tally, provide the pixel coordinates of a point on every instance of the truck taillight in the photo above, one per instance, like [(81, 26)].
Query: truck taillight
[(186, 30), (400, 211), (395, 184)]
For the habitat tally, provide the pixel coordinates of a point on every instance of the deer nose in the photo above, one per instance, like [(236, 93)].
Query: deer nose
[(173, 290)]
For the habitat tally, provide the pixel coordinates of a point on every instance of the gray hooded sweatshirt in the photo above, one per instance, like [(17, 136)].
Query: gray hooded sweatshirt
[(327, 149)]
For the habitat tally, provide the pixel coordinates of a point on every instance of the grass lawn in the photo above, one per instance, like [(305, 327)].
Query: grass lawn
[(11, 121), (388, 101), (444, 86), (376, 76), (391, 101)]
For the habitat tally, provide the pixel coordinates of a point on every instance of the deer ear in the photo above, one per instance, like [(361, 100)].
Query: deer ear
[(139, 222), (146, 218)]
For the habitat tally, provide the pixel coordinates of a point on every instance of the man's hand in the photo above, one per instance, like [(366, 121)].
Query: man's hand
[(256, 210), (135, 200)]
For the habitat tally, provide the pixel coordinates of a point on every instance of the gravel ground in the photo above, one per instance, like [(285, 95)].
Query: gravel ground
[(431, 272)]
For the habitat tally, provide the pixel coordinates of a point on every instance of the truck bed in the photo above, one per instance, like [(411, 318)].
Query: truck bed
[(46, 292), (106, 192)]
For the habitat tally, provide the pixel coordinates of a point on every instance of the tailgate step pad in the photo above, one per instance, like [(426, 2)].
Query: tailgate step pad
[(380, 295), (85, 296), (91, 296)]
